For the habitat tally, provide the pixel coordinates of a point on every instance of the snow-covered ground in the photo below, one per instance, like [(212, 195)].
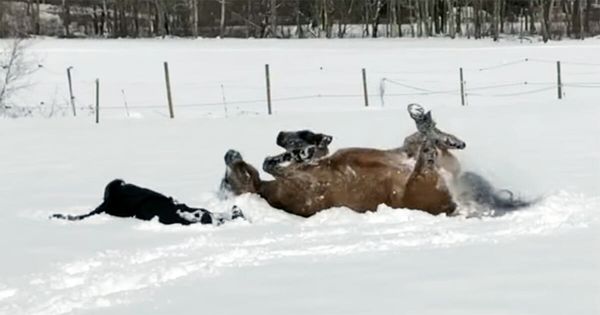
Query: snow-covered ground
[(541, 260)]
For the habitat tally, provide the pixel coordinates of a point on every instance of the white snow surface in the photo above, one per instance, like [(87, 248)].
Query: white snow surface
[(540, 260)]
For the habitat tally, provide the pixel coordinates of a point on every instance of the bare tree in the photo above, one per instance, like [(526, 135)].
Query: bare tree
[(14, 72)]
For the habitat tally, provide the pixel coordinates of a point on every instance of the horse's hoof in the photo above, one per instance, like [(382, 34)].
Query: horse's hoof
[(232, 156), (416, 111), (269, 164), (305, 154), (325, 141)]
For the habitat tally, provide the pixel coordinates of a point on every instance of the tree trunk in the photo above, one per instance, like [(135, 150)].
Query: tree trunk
[(136, 18), (419, 18), (299, 31), (391, 18), (325, 29), (273, 7), (66, 17), (149, 22), (576, 19), (366, 17), (451, 17), (495, 20), (398, 14), (36, 22), (547, 6), (160, 18), (588, 10), (123, 29), (459, 19), (376, 18), (427, 18), (477, 19), (249, 18), (436, 14), (194, 18), (532, 14), (222, 21)]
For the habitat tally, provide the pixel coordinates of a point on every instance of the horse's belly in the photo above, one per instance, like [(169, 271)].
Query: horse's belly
[(365, 189)]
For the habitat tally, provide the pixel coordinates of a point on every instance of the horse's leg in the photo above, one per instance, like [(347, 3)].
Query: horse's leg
[(240, 177), (276, 165), (425, 188), (297, 142), (412, 144), (427, 127), (291, 140)]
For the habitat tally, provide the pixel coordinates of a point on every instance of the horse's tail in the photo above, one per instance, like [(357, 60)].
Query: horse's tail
[(70, 217), (478, 189)]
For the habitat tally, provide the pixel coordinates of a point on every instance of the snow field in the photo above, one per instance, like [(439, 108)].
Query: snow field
[(542, 260)]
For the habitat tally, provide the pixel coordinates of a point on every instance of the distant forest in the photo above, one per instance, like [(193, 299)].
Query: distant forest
[(550, 19)]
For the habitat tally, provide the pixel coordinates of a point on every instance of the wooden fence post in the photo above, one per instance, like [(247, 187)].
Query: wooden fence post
[(462, 88), (71, 90), (168, 84), (268, 78), (97, 100), (558, 80), (365, 92)]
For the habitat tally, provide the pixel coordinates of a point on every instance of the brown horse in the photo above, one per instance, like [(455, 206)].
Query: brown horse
[(414, 176)]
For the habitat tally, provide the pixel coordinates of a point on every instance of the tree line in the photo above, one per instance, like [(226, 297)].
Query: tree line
[(551, 19)]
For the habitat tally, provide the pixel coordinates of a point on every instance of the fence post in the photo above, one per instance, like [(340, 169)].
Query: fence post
[(71, 90), (168, 83), (462, 88), (558, 80), (268, 78), (97, 100), (365, 92)]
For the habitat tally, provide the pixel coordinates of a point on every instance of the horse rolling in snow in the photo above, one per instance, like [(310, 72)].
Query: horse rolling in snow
[(414, 176)]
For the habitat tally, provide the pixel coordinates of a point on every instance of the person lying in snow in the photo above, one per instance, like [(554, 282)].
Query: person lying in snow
[(127, 200)]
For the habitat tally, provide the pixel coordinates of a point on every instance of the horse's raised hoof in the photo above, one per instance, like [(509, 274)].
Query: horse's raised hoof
[(416, 111), (272, 162), (232, 156), (305, 154), (423, 120), (325, 141)]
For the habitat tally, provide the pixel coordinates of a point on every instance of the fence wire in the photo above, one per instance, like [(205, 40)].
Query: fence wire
[(254, 93)]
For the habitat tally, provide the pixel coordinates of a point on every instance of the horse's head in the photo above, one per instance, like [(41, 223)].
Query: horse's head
[(240, 177)]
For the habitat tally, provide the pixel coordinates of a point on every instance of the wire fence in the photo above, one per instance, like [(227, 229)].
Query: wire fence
[(503, 89), (297, 88)]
